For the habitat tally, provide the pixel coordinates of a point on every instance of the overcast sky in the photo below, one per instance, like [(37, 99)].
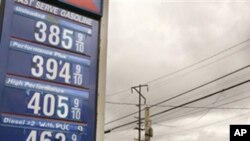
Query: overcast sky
[(149, 39)]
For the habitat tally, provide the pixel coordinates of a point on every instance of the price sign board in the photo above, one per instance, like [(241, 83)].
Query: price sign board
[(48, 73)]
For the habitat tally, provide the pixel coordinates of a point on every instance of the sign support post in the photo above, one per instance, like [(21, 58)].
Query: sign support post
[(102, 74)]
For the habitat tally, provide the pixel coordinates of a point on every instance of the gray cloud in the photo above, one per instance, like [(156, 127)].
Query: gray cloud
[(151, 38)]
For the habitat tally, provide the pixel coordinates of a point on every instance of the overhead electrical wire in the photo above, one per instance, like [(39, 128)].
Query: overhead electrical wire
[(192, 107), (182, 69), (200, 67), (186, 103), (152, 88), (118, 92), (227, 103), (184, 93), (198, 87), (241, 116), (187, 107), (187, 92), (201, 98), (216, 107), (208, 110), (201, 61)]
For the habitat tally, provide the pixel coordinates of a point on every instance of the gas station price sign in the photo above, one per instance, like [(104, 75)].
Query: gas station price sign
[(48, 73)]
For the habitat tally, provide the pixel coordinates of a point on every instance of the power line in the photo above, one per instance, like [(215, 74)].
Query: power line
[(203, 60), (191, 113), (205, 84), (186, 114), (190, 107), (118, 92), (168, 126), (202, 66), (194, 107), (227, 103), (202, 126), (201, 98), (184, 68), (187, 103), (184, 93), (120, 103), (185, 107)]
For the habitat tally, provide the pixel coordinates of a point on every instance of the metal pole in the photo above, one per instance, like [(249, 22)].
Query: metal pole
[(140, 96), (101, 94)]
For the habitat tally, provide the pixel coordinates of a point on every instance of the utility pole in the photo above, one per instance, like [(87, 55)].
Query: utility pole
[(138, 90), (148, 129)]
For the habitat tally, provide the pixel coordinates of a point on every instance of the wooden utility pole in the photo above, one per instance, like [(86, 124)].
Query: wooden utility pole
[(148, 129)]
